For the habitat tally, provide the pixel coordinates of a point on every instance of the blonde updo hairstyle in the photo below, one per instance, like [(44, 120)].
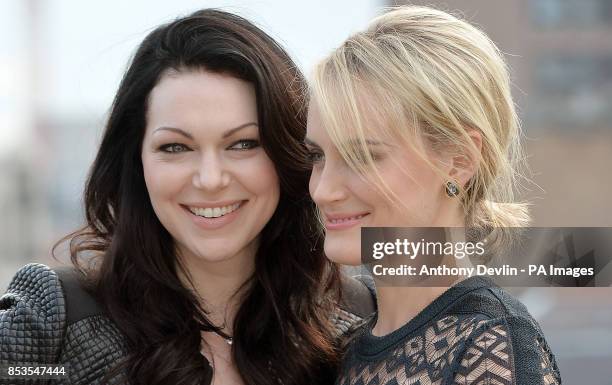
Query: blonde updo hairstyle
[(427, 78)]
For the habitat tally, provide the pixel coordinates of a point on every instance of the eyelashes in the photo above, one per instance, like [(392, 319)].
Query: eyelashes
[(316, 157), (172, 148), (245, 144)]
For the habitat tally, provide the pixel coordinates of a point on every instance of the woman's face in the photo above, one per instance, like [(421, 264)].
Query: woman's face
[(348, 201), (210, 182)]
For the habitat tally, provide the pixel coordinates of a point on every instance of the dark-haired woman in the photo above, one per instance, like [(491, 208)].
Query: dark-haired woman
[(201, 261)]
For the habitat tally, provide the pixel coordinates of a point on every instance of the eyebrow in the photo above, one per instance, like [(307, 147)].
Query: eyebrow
[(236, 129), (353, 142), (226, 134)]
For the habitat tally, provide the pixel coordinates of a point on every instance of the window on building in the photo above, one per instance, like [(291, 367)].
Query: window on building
[(553, 14), (571, 91)]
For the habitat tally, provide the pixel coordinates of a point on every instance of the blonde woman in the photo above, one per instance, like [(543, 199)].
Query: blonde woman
[(411, 123)]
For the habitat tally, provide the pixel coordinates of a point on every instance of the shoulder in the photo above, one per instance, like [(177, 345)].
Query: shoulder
[(32, 316), (497, 352), (357, 303), (482, 296), (358, 295), (93, 344), (35, 282), (46, 317), (506, 345)]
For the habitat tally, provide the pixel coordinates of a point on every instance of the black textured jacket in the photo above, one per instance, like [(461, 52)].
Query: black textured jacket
[(47, 319)]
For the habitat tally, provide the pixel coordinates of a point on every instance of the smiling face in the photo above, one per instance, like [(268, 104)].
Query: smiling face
[(348, 200), (210, 182)]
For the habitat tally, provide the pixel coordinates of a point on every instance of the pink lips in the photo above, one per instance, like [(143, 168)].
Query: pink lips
[(343, 221), (214, 223)]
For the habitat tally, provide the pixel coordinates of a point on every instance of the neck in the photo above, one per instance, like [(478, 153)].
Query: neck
[(398, 305), (218, 285)]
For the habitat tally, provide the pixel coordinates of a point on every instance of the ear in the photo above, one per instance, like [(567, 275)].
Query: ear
[(464, 166)]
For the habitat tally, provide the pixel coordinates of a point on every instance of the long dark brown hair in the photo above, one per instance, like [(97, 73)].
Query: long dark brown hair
[(281, 330)]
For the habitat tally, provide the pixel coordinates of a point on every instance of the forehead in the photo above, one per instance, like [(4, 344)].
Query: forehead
[(183, 97), (332, 119)]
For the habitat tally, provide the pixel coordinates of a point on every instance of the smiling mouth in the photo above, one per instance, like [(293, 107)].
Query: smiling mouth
[(337, 221), (343, 221), (214, 212)]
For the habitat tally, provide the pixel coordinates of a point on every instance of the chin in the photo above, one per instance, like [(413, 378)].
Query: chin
[(350, 256), (209, 252), (212, 257)]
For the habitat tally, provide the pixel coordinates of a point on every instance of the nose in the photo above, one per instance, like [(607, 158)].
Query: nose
[(211, 173), (327, 184)]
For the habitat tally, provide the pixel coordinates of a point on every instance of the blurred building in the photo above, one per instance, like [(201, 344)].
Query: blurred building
[(41, 191), (43, 158), (17, 204), (560, 56)]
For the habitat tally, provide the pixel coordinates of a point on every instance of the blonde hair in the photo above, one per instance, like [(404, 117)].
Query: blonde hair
[(420, 73)]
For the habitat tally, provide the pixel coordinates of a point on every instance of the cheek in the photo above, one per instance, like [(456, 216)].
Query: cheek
[(157, 189), (152, 177), (162, 180), (366, 193), (417, 190), (313, 182), (259, 177)]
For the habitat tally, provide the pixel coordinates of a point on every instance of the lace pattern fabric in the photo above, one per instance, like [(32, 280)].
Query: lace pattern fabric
[(487, 360), (547, 363), (459, 346), (427, 357)]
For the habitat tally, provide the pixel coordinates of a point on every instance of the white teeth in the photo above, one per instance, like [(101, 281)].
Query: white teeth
[(214, 212), (346, 219)]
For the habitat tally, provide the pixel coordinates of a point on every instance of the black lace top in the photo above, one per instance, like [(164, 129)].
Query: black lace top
[(474, 333)]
